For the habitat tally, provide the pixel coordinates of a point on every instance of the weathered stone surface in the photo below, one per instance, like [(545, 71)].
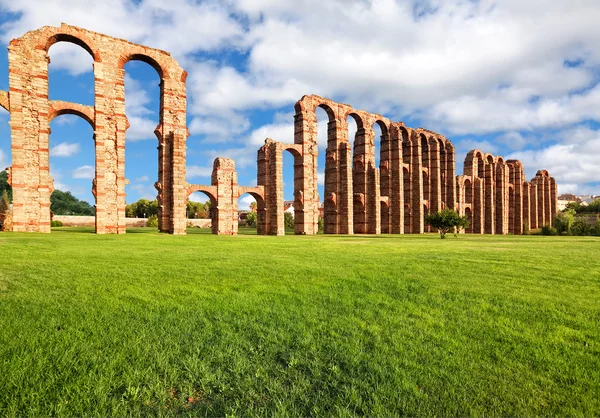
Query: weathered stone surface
[(494, 195), (416, 173), (31, 113)]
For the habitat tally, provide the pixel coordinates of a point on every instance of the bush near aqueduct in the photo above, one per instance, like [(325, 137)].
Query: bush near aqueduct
[(447, 220)]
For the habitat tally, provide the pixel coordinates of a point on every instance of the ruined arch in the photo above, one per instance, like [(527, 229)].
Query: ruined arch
[(75, 37), (136, 56), (58, 108)]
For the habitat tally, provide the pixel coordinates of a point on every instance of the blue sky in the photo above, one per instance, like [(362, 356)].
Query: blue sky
[(517, 79)]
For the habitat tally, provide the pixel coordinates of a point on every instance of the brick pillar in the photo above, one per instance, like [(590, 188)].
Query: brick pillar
[(553, 198), (450, 179), (526, 206), (385, 181), (489, 182), (501, 201), (359, 181), (425, 179), (416, 167), (533, 206), (173, 127), (111, 124), (548, 215), (306, 199), (478, 205), (345, 196), (396, 196), (31, 181), (332, 179), (224, 177), (435, 176), (539, 182), (262, 179)]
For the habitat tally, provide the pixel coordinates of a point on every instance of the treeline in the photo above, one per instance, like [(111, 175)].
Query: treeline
[(578, 207), (145, 208)]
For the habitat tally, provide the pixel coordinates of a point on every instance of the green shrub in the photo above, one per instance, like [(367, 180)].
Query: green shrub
[(563, 222), (447, 220), (251, 220), (55, 224), (288, 220), (549, 230), (152, 221), (321, 224)]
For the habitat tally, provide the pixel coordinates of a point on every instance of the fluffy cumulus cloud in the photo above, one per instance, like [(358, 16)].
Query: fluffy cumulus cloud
[(84, 172), (3, 160), (65, 149), (493, 74)]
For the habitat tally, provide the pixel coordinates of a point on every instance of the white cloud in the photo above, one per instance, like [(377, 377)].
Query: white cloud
[(193, 171), (574, 164), (245, 201), (142, 179), (65, 149), (199, 197), (84, 172), (3, 160)]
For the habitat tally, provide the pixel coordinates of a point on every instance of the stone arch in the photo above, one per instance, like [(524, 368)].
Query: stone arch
[(138, 56), (58, 108), (77, 38)]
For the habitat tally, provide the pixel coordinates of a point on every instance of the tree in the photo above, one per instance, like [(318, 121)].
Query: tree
[(64, 203), (4, 202), (4, 186), (288, 220), (253, 206), (251, 220), (447, 220), (563, 222)]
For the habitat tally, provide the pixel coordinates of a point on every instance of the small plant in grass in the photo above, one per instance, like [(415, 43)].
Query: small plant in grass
[(447, 220), (152, 221), (55, 223)]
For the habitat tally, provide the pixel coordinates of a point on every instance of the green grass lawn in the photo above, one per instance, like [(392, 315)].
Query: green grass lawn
[(147, 324)]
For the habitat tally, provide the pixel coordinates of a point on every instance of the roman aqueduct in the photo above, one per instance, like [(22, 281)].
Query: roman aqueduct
[(416, 173)]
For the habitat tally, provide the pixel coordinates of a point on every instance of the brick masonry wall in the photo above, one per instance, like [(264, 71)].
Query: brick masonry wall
[(415, 175)]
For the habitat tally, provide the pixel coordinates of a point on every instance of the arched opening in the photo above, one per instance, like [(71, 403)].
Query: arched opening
[(72, 166), (251, 213), (469, 215), (362, 163), (327, 168), (72, 156), (425, 214), (444, 173), (71, 72), (200, 211), (293, 199), (142, 105), (511, 210), (383, 161)]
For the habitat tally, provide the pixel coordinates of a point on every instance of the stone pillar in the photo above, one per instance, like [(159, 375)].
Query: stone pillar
[(30, 129), (533, 206), (360, 181), (345, 196), (478, 206), (306, 199), (396, 194), (385, 181), (489, 182), (224, 177), (450, 178), (553, 198), (435, 176), (417, 220)]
